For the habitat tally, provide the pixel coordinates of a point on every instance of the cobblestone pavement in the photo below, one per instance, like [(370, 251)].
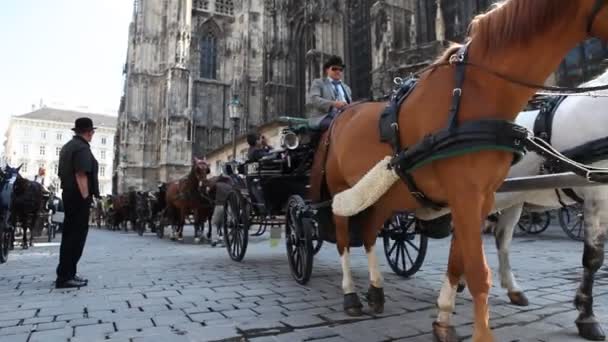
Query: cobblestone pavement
[(146, 289)]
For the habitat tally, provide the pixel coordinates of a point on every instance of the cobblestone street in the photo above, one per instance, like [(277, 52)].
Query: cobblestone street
[(146, 289)]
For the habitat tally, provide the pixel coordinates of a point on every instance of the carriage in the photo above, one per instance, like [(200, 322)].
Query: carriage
[(272, 193)]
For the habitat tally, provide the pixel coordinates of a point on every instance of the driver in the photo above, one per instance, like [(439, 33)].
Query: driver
[(329, 95)]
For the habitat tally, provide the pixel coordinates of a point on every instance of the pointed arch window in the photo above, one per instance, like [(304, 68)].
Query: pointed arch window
[(209, 56)]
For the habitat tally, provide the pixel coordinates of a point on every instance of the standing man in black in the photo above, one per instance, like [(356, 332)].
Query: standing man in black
[(78, 170)]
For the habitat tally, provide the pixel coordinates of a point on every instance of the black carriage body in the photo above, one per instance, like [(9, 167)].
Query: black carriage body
[(270, 181)]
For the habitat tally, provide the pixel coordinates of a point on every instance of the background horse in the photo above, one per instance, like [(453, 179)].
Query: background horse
[(504, 40), (26, 203), (577, 120), (189, 195), (8, 176)]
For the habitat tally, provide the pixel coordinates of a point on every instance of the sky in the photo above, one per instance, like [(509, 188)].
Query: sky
[(67, 53)]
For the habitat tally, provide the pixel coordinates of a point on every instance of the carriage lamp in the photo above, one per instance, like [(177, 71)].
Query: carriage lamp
[(235, 111)]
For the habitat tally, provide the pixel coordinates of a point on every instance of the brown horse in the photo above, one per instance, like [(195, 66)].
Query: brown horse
[(26, 204), (523, 39), (189, 195)]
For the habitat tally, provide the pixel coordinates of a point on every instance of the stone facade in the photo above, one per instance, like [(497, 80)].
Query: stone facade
[(188, 58), (35, 139)]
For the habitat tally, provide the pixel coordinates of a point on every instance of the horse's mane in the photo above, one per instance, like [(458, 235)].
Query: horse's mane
[(515, 22)]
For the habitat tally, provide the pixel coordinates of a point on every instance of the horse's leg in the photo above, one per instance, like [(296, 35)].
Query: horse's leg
[(198, 230), (352, 304), (24, 240), (375, 295), (593, 258), (468, 217), (503, 234), (442, 328)]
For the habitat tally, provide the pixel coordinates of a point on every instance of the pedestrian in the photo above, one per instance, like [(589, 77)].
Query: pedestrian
[(78, 170)]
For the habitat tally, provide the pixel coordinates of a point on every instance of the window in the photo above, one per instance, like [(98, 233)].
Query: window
[(24, 168), (209, 56), (43, 134), (189, 132), (26, 149), (102, 170), (224, 7), (59, 136), (26, 132), (103, 155), (104, 140), (55, 169), (42, 149), (57, 151)]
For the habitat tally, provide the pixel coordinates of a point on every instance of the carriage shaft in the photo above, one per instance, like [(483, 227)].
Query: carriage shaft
[(543, 182)]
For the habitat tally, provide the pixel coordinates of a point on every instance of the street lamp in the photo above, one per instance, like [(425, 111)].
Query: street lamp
[(235, 111)]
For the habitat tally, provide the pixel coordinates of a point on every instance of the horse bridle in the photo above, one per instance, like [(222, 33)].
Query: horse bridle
[(599, 5)]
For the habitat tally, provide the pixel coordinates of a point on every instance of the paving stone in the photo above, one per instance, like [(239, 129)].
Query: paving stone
[(51, 335), (208, 316), (134, 324), (51, 326), (16, 315), (16, 338), (94, 331)]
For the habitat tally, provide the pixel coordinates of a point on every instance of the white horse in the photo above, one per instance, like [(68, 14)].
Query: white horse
[(577, 120)]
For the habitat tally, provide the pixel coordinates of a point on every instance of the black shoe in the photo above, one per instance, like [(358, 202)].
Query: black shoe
[(70, 283), (82, 280)]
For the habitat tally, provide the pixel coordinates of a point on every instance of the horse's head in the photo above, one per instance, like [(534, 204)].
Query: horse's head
[(200, 168)]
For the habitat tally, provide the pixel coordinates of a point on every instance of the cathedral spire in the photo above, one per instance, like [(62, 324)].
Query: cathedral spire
[(439, 23)]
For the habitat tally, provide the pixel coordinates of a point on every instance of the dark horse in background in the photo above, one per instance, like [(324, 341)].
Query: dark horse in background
[(189, 195), (7, 181), (26, 202)]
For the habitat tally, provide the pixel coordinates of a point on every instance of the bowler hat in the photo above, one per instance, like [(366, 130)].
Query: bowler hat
[(82, 125), (333, 61)]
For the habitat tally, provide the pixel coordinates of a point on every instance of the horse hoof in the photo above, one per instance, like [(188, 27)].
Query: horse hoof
[(461, 287), (197, 240), (25, 247), (444, 333), (591, 331), (518, 298), (352, 305), (375, 299)]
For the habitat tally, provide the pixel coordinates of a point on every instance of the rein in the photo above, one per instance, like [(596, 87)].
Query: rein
[(549, 90)]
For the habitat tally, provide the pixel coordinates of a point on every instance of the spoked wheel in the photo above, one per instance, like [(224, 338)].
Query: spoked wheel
[(572, 220), (534, 222), (404, 246), (298, 241), (5, 241), (236, 226)]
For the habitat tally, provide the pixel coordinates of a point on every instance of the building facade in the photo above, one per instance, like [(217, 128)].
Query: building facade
[(188, 58), (35, 139)]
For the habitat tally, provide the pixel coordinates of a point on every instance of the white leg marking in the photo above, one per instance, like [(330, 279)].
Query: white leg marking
[(375, 276), (446, 302), (347, 277)]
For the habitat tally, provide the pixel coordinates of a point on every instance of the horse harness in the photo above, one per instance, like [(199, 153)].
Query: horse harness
[(454, 140), (587, 153)]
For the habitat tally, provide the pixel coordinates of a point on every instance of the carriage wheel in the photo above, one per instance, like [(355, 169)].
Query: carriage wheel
[(533, 222), (298, 240), (572, 220), (236, 226), (404, 246), (5, 241)]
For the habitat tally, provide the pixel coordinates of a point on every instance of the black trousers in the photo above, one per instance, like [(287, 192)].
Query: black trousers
[(74, 235)]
